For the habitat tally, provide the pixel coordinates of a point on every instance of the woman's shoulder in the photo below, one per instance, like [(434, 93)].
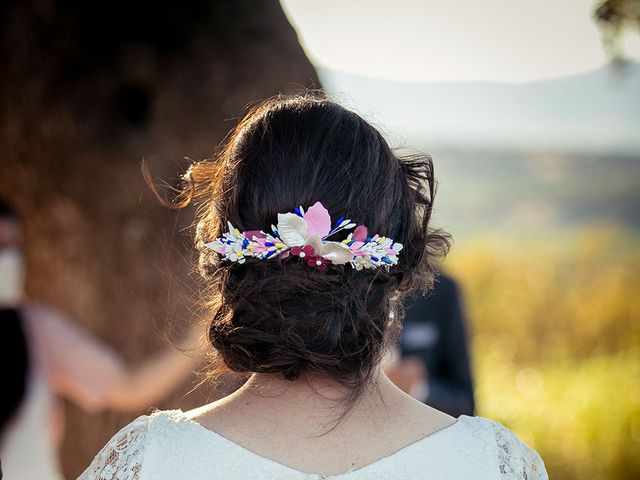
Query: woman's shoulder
[(513, 458), (122, 456), (170, 444)]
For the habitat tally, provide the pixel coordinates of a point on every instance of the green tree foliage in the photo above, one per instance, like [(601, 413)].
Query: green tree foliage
[(614, 18)]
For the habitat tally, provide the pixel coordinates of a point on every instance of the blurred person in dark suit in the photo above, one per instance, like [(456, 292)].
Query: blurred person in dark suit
[(433, 364)]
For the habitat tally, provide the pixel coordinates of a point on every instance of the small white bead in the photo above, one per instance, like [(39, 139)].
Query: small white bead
[(318, 262), (302, 254)]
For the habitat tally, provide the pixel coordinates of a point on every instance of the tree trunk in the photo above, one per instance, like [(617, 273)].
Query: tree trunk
[(85, 95)]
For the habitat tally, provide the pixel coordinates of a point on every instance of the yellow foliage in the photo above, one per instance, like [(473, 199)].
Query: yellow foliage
[(556, 345)]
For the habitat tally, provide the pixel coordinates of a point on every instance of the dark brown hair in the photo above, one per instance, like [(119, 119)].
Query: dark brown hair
[(280, 315)]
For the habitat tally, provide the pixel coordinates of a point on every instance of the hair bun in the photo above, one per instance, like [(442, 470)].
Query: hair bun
[(280, 316), (287, 319)]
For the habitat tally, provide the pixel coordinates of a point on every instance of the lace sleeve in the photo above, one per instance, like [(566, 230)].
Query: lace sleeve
[(121, 457), (516, 460)]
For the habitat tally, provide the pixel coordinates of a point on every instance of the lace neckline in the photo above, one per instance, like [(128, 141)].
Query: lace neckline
[(311, 475)]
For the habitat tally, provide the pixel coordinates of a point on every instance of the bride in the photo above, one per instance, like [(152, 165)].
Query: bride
[(311, 231)]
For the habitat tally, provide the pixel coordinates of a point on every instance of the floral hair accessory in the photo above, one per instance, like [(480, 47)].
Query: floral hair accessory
[(304, 234)]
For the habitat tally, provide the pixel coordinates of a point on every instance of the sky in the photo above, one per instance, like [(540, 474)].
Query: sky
[(513, 41)]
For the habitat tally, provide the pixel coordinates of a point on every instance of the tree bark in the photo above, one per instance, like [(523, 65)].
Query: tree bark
[(86, 94)]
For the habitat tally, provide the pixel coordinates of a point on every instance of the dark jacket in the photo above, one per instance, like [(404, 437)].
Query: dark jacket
[(435, 330)]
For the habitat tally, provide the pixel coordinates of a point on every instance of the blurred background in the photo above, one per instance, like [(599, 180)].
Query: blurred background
[(531, 111)]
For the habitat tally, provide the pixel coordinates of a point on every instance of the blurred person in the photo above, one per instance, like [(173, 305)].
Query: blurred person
[(433, 364), (45, 355), (15, 381), (300, 300)]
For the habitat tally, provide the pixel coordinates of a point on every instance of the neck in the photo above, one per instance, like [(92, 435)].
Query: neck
[(307, 385), (315, 399)]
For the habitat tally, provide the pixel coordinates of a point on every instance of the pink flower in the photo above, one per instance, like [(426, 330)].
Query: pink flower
[(360, 234), (318, 220), (254, 233)]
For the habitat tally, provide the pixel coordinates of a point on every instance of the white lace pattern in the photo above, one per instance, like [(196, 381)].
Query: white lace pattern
[(121, 458), (515, 459), (169, 445)]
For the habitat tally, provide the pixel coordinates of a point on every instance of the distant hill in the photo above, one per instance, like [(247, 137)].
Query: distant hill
[(595, 111), (535, 192)]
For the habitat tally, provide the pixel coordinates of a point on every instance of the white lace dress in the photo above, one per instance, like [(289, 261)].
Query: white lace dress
[(169, 445)]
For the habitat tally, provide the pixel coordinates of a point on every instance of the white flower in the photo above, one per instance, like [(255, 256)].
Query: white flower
[(337, 252), (292, 229)]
